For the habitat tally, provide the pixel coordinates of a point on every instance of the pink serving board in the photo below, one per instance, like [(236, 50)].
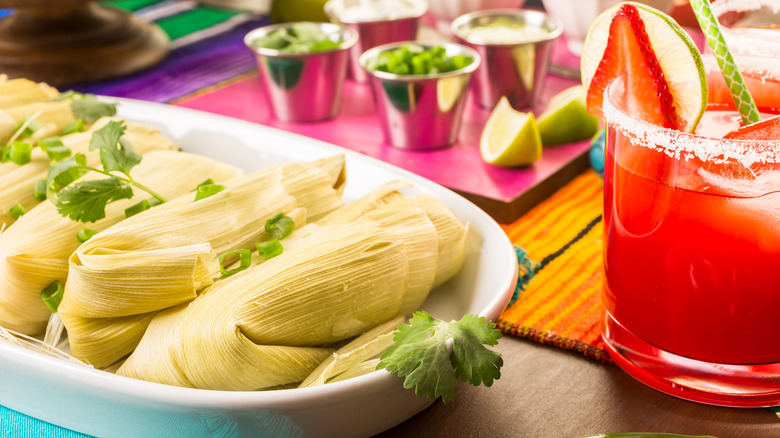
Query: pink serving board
[(503, 193)]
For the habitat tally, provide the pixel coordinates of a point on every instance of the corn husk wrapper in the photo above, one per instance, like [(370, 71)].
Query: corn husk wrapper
[(17, 183), (34, 251), (449, 254), (20, 91), (262, 328), (51, 115), (353, 356), (347, 275), (161, 258)]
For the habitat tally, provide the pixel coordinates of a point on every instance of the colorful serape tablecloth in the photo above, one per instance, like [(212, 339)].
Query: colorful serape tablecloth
[(559, 246)]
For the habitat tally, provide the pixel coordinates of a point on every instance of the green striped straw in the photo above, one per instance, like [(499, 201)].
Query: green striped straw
[(709, 25)]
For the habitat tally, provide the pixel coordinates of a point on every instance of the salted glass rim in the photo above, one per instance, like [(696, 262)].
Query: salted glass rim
[(678, 144)]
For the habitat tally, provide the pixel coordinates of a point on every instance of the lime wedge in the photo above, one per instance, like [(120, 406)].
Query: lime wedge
[(681, 64), (566, 118), (510, 138)]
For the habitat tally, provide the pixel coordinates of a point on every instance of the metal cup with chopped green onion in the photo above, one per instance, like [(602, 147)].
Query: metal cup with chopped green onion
[(420, 91), (302, 67)]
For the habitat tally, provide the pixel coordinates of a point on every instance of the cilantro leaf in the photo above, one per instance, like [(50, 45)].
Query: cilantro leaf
[(116, 152), (89, 108), (65, 172), (86, 201), (420, 354)]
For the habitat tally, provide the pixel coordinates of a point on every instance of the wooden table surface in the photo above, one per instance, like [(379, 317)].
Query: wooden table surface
[(546, 392)]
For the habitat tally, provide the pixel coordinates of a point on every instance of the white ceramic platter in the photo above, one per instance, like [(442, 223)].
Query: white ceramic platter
[(103, 404)]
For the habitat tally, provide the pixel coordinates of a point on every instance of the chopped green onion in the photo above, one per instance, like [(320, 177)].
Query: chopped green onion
[(52, 295), (17, 211), (66, 95), (138, 208), (204, 191), (154, 202), (246, 260), (20, 152), (5, 154), (269, 248), (54, 148), (85, 234), (26, 128), (40, 190), (279, 226), (206, 183), (74, 126)]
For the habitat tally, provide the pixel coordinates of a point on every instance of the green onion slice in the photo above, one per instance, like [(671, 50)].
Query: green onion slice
[(137, 208), (20, 152), (204, 191), (17, 211), (52, 295), (74, 126), (40, 190), (85, 234), (54, 148), (269, 248), (246, 260), (27, 127), (279, 226)]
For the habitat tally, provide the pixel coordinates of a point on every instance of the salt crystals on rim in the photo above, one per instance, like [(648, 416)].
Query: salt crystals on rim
[(682, 145)]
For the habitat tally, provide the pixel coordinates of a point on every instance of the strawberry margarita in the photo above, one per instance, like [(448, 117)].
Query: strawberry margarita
[(692, 220)]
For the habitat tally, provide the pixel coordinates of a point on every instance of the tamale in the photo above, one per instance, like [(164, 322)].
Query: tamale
[(17, 183), (231, 219), (349, 274), (34, 251)]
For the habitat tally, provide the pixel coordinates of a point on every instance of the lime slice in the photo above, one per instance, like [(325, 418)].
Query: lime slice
[(566, 118), (510, 138), (677, 55)]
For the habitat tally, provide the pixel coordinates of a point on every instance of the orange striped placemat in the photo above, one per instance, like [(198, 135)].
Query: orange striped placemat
[(559, 245)]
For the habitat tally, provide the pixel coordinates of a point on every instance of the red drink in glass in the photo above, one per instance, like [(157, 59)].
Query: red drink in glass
[(692, 252)]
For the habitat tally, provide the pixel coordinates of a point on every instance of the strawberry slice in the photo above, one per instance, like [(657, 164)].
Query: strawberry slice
[(766, 129), (629, 54)]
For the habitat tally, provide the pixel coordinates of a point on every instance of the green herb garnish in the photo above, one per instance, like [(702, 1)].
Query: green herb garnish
[(88, 108), (279, 226), (74, 126), (85, 234), (17, 211), (20, 152), (420, 354), (206, 190), (298, 38), (86, 201), (269, 248), (245, 261), (54, 148), (52, 295), (414, 59), (40, 190)]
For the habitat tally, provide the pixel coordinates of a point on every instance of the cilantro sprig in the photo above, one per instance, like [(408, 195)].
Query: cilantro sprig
[(420, 354), (86, 201)]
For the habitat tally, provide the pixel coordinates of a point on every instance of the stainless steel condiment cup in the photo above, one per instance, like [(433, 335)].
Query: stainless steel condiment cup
[(303, 87), (420, 111), (516, 70), (374, 32)]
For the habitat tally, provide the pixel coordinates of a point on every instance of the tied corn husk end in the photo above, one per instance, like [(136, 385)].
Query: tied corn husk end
[(352, 357), (34, 251)]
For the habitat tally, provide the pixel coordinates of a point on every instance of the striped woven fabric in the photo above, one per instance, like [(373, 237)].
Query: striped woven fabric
[(557, 301)]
